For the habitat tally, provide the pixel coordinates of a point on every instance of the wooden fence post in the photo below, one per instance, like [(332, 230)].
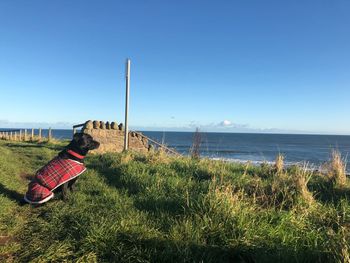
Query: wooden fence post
[(32, 137), (39, 135), (49, 137), (25, 135)]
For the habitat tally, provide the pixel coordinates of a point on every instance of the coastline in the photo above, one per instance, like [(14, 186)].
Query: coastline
[(315, 150), (170, 209)]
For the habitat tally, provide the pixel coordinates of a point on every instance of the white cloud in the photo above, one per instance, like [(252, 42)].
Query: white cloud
[(226, 123)]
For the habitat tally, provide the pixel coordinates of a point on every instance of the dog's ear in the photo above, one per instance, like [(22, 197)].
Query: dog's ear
[(77, 136), (84, 141)]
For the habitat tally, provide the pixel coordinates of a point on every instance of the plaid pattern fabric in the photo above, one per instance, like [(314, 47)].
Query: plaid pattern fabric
[(57, 172)]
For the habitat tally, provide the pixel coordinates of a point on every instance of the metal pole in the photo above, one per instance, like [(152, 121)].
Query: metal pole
[(127, 80)]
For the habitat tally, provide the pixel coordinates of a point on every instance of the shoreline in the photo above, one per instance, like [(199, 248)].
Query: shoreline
[(309, 167)]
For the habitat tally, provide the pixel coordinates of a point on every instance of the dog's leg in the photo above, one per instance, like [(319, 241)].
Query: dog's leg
[(65, 191), (71, 184)]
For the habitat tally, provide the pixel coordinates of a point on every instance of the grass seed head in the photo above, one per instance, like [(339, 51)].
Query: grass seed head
[(279, 163), (336, 169)]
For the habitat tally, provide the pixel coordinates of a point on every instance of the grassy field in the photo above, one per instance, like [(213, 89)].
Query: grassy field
[(135, 208)]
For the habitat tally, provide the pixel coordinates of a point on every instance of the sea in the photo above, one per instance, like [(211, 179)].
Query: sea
[(314, 150)]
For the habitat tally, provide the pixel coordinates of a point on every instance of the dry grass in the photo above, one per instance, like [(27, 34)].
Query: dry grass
[(196, 144), (336, 169), (291, 189), (126, 157), (339, 244), (279, 163), (158, 156), (302, 177), (345, 248), (246, 168)]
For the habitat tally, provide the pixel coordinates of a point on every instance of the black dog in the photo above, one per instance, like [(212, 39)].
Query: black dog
[(81, 144), (60, 174)]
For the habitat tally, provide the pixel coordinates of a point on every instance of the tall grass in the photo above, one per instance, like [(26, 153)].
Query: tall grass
[(290, 189), (279, 163), (336, 171), (196, 144)]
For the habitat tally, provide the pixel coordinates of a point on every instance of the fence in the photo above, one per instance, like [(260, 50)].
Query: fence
[(24, 135), (157, 144)]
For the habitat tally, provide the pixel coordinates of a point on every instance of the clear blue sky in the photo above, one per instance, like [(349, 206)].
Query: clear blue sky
[(220, 65)]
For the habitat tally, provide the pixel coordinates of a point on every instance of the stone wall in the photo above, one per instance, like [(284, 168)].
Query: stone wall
[(110, 135)]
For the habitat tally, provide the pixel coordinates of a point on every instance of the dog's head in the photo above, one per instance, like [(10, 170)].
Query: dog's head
[(82, 143)]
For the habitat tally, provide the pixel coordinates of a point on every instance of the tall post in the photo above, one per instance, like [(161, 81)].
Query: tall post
[(49, 137), (25, 135), (32, 136), (127, 82)]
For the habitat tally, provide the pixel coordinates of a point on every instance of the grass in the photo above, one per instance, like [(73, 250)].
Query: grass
[(279, 163), (137, 208), (336, 169)]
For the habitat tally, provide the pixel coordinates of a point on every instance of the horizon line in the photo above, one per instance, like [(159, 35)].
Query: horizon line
[(192, 131)]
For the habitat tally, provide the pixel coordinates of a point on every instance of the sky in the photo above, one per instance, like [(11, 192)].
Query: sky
[(228, 66)]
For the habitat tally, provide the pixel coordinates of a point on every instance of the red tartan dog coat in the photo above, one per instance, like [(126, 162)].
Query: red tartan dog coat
[(57, 172)]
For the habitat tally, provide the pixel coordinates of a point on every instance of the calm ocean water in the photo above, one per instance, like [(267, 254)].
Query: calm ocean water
[(314, 149)]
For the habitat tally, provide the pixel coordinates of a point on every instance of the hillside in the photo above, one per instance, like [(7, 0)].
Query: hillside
[(136, 208)]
